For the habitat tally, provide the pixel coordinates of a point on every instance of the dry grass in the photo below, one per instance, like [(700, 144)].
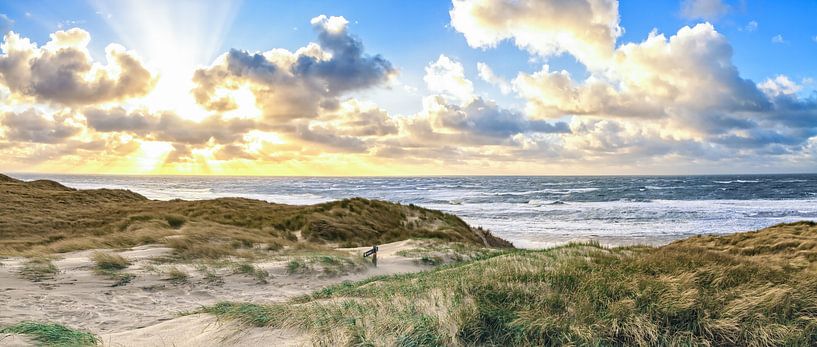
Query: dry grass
[(177, 276), (748, 289), (39, 269), (109, 261), (44, 217)]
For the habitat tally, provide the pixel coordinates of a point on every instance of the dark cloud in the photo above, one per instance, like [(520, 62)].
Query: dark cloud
[(33, 126), (328, 138), (295, 85), (118, 119), (486, 118), (168, 126)]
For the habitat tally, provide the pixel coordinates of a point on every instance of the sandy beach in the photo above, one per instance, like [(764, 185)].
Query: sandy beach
[(149, 310)]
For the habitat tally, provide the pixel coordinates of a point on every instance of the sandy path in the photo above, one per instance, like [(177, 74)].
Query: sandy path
[(146, 311)]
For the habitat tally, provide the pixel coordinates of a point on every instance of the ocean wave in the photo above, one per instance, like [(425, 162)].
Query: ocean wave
[(546, 202), (737, 181)]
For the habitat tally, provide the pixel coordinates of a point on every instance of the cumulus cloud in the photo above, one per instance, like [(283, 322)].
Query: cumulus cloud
[(447, 76), (63, 72), (678, 95), (704, 9), (292, 85), (587, 29), (778, 39), (689, 74)]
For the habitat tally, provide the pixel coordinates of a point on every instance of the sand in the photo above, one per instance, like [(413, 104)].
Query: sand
[(148, 310)]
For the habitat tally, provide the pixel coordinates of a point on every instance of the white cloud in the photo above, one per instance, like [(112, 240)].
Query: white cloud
[(778, 39), (447, 76), (586, 29), (488, 75), (751, 26), (781, 84)]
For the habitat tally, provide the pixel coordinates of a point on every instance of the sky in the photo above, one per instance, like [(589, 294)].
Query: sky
[(347, 88)]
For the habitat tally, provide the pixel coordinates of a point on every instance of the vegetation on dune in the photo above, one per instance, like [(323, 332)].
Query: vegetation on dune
[(42, 217), (51, 334), (435, 252), (110, 265), (109, 261), (39, 269), (749, 289)]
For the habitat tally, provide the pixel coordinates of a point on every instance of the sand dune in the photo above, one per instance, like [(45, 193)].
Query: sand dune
[(146, 311)]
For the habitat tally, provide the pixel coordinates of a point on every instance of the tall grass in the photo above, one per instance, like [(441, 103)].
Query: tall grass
[(694, 292)]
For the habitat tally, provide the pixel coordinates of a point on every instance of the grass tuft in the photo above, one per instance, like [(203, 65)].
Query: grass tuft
[(177, 276), (51, 334), (248, 269), (109, 261), (39, 269)]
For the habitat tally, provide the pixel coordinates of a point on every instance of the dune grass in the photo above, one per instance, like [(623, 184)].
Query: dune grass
[(748, 289), (110, 266), (39, 269), (44, 217), (260, 275), (51, 334), (109, 261), (177, 276)]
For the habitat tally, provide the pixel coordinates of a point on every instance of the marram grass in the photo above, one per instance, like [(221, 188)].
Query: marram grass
[(51, 334), (748, 289)]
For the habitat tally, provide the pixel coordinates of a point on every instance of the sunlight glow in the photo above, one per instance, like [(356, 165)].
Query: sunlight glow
[(174, 38), (151, 156)]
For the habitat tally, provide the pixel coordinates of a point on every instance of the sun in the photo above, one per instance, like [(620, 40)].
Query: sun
[(173, 38)]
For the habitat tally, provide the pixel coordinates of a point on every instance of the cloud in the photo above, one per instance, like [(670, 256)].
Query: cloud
[(780, 85), (688, 75), (778, 39), (63, 72), (703, 9), (295, 85), (750, 27), (168, 126), (678, 95), (448, 77), (486, 118), (487, 75), (586, 29), (355, 118), (33, 126)]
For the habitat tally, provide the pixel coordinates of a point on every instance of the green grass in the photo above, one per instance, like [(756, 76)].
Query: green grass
[(703, 291), (51, 334)]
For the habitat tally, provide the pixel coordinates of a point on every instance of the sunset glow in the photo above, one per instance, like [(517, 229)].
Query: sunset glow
[(486, 87)]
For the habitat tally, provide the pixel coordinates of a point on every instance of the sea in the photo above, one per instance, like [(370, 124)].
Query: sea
[(530, 211)]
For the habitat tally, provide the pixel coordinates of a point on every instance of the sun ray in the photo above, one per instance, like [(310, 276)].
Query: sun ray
[(173, 37)]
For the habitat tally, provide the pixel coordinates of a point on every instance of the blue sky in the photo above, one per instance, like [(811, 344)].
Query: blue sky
[(612, 105), (412, 35)]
